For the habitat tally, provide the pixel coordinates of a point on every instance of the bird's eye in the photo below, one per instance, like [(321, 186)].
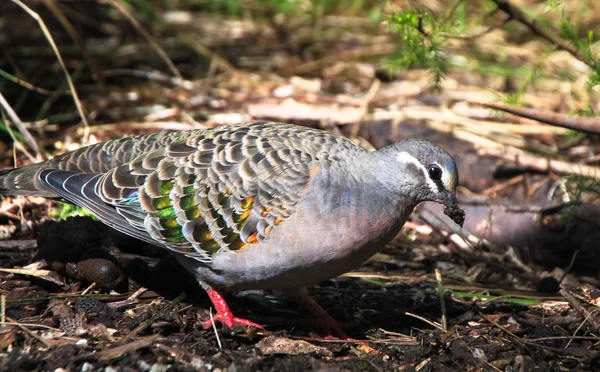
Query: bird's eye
[(435, 172)]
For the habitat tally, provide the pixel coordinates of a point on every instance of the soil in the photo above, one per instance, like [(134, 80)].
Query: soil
[(391, 308)]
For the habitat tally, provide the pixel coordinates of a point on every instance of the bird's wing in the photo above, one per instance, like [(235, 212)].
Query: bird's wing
[(205, 192), (79, 189)]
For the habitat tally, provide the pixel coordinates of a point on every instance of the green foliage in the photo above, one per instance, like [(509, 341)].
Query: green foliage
[(534, 72), (580, 189), (63, 211), (425, 40), (588, 111), (512, 98), (570, 33), (422, 41), (579, 186), (5, 128), (507, 299), (260, 8), (594, 78)]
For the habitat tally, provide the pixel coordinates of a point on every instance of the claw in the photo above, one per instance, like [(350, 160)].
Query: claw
[(224, 315), (229, 321)]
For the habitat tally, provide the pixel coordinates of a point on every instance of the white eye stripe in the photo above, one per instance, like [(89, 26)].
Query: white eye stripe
[(446, 180), (405, 157)]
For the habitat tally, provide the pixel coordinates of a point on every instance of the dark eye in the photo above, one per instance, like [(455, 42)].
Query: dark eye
[(435, 172)]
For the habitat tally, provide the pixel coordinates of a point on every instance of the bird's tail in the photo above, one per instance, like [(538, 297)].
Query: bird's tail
[(24, 181)]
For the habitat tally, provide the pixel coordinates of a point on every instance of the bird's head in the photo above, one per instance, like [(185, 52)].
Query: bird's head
[(427, 173)]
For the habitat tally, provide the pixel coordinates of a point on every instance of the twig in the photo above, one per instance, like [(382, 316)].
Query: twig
[(50, 4), (214, 327), (438, 278), (89, 289), (118, 351), (365, 102), (67, 296), (582, 310), (23, 271), (28, 331), (129, 300), (502, 185), (480, 33), (2, 309), (587, 318), (151, 75), (526, 159), (32, 325), (430, 322), (19, 124), (368, 51), (514, 338), (30, 86), (516, 13), (48, 35), (422, 365), (203, 50), (570, 266), (582, 124), (464, 240), (554, 338), (121, 8), (491, 366), (148, 322)]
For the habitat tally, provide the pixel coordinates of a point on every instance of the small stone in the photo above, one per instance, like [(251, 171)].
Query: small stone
[(143, 365), (479, 354), (158, 367)]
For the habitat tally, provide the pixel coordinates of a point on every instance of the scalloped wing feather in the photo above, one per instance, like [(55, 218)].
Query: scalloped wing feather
[(197, 192)]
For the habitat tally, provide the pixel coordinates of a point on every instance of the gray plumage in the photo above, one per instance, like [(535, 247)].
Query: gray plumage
[(260, 205)]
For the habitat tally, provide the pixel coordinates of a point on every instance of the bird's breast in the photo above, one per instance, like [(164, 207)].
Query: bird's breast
[(331, 232)]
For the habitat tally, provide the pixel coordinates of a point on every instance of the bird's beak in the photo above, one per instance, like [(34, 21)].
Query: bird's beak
[(449, 199), (452, 209)]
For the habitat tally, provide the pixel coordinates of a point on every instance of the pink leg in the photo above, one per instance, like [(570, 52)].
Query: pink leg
[(329, 326), (224, 315)]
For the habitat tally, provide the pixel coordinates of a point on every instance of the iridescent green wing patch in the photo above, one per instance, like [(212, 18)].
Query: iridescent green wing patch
[(223, 189)]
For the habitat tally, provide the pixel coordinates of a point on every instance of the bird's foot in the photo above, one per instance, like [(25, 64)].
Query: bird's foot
[(229, 320), (330, 328), (224, 315)]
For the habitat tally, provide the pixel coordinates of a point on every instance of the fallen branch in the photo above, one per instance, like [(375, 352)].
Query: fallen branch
[(582, 124)]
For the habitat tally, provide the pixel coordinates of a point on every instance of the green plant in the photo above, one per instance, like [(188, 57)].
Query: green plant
[(422, 43), (65, 210), (572, 34), (582, 188), (426, 40)]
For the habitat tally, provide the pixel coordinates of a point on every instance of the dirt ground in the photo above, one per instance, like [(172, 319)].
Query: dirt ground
[(392, 308)]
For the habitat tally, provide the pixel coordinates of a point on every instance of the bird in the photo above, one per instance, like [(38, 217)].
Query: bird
[(259, 205)]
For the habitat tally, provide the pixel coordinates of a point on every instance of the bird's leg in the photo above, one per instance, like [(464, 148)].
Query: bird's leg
[(330, 327), (223, 315)]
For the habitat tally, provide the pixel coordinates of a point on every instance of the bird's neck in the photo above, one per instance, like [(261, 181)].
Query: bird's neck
[(381, 176), (361, 215), (360, 184)]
